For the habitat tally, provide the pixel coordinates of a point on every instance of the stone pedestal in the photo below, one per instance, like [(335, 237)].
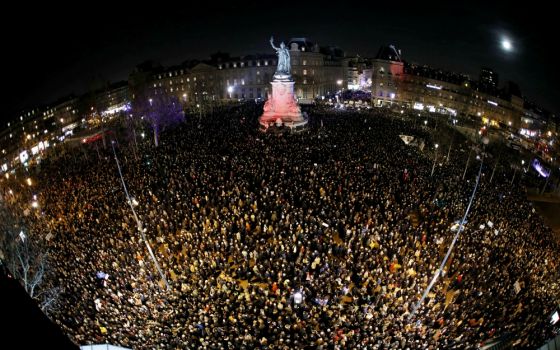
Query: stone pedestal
[(281, 109)]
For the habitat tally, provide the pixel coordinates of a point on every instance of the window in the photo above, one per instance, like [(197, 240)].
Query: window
[(305, 72), (304, 62)]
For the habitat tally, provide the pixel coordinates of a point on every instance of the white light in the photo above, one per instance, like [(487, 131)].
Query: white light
[(425, 122), (433, 86), (436, 145), (493, 103), (339, 82), (230, 89), (506, 45), (298, 298), (34, 204), (143, 135)]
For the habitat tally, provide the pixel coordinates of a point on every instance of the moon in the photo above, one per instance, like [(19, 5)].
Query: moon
[(506, 45)]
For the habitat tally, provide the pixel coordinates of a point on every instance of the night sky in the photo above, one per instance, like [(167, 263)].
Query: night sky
[(53, 52)]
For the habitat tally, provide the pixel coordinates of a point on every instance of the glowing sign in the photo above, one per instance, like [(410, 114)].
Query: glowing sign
[(554, 318), (493, 103), (544, 172), (433, 86), (23, 156), (418, 105)]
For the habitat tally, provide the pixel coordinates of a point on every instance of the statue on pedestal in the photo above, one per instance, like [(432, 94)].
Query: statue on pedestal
[(283, 67)]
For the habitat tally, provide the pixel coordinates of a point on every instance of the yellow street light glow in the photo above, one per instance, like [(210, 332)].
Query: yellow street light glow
[(35, 204), (29, 181)]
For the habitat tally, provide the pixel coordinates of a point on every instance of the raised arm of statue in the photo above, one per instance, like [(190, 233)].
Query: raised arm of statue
[(272, 44)]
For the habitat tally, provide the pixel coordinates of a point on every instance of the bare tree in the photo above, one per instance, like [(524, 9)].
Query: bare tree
[(26, 258), (160, 111)]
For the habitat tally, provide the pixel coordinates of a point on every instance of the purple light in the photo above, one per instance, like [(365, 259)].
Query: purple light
[(544, 172)]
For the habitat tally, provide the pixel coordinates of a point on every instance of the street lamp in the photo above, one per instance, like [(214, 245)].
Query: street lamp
[(339, 83), (435, 157), (230, 90)]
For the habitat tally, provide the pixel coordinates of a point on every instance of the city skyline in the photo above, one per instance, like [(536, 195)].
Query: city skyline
[(66, 54)]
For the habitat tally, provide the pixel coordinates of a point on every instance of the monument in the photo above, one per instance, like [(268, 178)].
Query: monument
[(281, 107)]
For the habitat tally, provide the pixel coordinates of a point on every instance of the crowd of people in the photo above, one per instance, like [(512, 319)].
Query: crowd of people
[(324, 239)]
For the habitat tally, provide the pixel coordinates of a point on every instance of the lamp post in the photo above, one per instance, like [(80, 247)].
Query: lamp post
[(435, 157), (514, 171), (339, 83), (467, 165), (546, 182)]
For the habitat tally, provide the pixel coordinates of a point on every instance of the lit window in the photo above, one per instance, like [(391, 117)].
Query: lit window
[(235, 65), (266, 63), (242, 81), (258, 63), (305, 72), (305, 62)]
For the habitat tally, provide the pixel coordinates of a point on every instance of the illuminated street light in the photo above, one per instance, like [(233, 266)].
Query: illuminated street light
[(29, 182), (230, 90), (435, 157), (35, 204)]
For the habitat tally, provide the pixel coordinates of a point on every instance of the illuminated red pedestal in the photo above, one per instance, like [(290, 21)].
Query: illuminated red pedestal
[(281, 109)]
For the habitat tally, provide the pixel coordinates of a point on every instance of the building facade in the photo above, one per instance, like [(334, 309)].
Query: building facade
[(317, 71), (403, 85)]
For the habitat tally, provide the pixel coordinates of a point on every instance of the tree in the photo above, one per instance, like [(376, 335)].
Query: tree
[(26, 258), (160, 111)]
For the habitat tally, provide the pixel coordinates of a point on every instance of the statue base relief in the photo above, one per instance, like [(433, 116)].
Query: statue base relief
[(281, 109)]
